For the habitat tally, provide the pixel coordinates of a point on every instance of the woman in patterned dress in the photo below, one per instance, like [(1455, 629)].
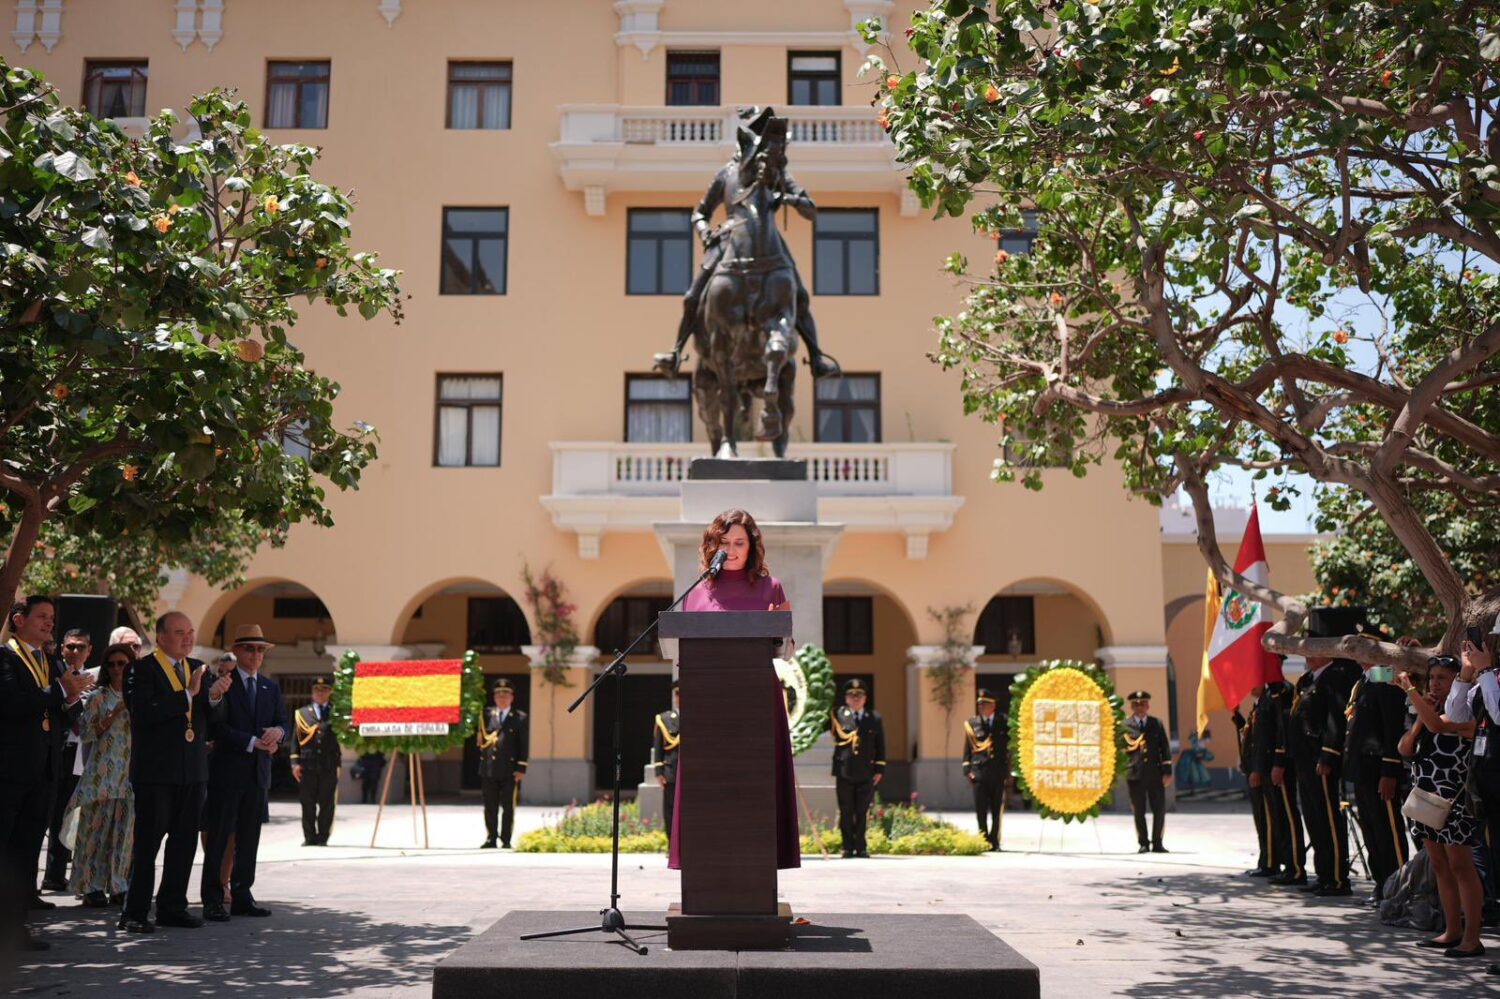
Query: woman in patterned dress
[(106, 813), (1439, 752)]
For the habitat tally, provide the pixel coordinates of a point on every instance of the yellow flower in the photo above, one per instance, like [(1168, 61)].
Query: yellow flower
[(1066, 739), (271, 205), (132, 179)]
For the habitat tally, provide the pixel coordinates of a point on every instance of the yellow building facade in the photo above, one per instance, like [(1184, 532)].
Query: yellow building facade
[(530, 167)]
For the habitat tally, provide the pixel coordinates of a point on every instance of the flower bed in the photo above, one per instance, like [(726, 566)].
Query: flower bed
[(587, 829), (905, 830)]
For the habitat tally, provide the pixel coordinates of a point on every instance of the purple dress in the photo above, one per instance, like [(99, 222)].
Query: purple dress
[(733, 591)]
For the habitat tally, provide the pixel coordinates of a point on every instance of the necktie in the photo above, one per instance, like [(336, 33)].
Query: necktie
[(181, 676), (250, 689)]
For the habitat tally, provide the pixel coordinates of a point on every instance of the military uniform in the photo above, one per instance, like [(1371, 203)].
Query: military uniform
[(1246, 731), (1149, 759), (315, 749), (666, 742), (1376, 716), (1284, 819), (1317, 736), (504, 744), (858, 758), (986, 766)]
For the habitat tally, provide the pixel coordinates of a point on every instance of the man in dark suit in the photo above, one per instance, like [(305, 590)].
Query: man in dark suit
[(858, 763), (504, 739), (1149, 770), (316, 758), (38, 700), (249, 723), (666, 742), (75, 652), (169, 709), (986, 764)]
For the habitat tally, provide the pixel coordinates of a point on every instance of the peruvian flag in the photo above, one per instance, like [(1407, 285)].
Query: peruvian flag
[(1235, 656)]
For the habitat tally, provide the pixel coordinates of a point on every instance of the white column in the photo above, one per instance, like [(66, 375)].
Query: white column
[(936, 776)]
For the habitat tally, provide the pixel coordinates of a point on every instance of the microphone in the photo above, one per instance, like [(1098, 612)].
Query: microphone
[(717, 563)]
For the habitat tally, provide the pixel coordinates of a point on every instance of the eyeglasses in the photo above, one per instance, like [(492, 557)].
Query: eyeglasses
[(74, 647)]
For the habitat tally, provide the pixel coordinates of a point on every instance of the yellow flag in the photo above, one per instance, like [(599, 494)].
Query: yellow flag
[(1209, 698)]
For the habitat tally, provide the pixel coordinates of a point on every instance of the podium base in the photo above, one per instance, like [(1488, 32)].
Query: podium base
[(729, 932)]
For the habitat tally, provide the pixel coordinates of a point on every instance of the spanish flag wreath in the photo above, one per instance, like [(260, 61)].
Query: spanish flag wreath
[(442, 697), (1067, 731)]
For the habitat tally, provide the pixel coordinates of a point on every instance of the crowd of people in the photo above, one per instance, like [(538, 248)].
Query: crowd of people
[(1420, 754), (148, 756)]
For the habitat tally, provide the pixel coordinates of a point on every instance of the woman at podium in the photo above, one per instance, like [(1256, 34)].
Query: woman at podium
[(746, 584)]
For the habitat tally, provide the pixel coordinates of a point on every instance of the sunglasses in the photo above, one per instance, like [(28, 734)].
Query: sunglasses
[(74, 647), (122, 663)]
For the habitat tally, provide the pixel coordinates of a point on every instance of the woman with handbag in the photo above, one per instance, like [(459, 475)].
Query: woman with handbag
[(1438, 811)]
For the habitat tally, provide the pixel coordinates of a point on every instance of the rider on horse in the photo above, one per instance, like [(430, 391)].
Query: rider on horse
[(793, 195)]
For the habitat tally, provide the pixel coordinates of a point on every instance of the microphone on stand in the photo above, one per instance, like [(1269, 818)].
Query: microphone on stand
[(717, 563)]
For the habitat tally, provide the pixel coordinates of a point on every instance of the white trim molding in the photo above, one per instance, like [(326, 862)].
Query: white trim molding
[(640, 25), (390, 10), (928, 656), (1132, 656), (38, 21), (583, 657), (199, 20)]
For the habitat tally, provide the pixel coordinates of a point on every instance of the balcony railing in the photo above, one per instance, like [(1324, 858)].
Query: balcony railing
[(593, 469), (711, 126)]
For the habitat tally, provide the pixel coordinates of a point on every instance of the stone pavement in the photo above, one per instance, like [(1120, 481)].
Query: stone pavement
[(1077, 900)]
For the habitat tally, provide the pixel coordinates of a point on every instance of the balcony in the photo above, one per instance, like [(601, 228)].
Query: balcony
[(599, 487), (610, 147)]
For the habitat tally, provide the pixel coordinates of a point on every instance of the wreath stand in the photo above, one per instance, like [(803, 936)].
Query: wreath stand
[(418, 790)]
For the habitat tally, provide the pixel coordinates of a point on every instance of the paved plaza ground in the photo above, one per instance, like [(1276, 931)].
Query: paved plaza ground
[(1097, 918)]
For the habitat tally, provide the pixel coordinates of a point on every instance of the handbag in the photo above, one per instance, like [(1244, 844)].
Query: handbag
[(1427, 808)]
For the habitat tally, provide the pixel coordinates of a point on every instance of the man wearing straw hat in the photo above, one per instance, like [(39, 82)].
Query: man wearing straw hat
[(504, 743), (315, 765), (248, 724)]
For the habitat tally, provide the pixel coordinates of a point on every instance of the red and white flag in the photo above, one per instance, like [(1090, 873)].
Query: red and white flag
[(1235, 656)]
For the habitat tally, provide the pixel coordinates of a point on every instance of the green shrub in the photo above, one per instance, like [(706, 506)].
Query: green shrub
[(553, 841), (597, 820), (904, 830), (942, 841)]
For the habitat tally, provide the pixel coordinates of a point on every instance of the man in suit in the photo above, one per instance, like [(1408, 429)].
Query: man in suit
[(76, 645), (666, 741), (169, 709), (315, 765), (1245, 727), (504, 742), (986, 764), (1149, 770), (858, 763), (1272, 761), (38, 700), (249, 723)]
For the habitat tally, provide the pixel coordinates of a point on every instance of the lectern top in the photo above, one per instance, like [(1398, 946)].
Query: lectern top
[(725, 624)]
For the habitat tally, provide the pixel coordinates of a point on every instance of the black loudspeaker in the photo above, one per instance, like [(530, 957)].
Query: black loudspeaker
[(95, 615)]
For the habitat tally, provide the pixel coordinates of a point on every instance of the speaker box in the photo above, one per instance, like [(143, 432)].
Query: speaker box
[(95, 615)]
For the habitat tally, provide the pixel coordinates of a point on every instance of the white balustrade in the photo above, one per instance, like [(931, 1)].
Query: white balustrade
[(712, 126)]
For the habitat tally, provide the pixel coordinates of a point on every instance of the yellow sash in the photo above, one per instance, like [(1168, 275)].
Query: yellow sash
[(486, 739), (177, 687), (305, 731), (842, 738), (37, 670), (668, 740), (976, 744)]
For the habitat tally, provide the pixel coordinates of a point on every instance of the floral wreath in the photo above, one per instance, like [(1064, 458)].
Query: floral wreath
[(341, 702), (1076, 681), (807, 683)]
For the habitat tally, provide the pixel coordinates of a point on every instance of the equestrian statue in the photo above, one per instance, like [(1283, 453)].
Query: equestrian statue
[(747, 306)]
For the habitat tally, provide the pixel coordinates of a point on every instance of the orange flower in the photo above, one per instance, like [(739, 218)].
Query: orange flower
[(1340, 337), (173, 209), (991, 94), (132, 179), (162, 223), (892, 82), (1386, 78), (271, 205), (129, 472), (1001, 258), (59, 392), (1056, 299), (322, 263)]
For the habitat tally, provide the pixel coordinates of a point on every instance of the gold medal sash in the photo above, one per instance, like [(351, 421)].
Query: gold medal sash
[(977, 744), (305, 731), (38, 673), (188, 734), (485, 738), (668, 740), (842, 738)]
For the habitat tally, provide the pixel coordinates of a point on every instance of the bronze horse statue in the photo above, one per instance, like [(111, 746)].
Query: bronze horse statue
[(746, 333)]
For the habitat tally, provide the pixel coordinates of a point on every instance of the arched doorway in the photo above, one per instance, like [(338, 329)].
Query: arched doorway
[(646, 687)]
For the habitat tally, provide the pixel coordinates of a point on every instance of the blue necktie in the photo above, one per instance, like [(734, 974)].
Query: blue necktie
[(250, 689)]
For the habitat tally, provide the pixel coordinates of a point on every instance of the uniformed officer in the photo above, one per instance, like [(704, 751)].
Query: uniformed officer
[(315, 764), (1376, 716), (1318, 729), (666, 738), (986, 764), (1246, 729), (1149, 770), (858, 763), (504, 739), (1272, 765)]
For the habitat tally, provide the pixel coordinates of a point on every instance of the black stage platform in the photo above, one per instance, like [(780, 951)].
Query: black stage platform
[(886, 956)]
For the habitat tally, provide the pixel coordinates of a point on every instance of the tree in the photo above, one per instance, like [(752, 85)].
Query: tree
[(147, 384), (1215, 185)]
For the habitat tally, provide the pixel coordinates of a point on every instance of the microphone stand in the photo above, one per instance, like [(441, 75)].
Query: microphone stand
[(613, 921)]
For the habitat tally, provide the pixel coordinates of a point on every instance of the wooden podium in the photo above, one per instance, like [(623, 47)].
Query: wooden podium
[(727, 811)]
